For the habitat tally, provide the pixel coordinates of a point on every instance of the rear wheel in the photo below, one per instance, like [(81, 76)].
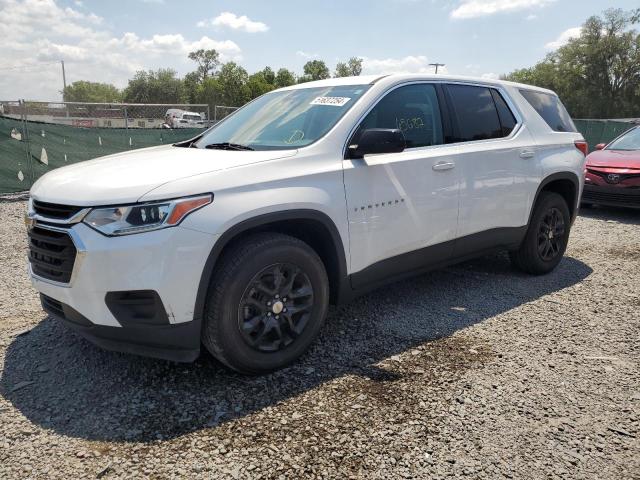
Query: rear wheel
[(267, 302), (547, 236)]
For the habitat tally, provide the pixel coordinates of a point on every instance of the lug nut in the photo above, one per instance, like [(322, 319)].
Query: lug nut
[(277, 296), (277, 317)]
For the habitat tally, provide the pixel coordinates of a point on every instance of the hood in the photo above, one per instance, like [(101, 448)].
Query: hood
[(127, 176), (614, 159)]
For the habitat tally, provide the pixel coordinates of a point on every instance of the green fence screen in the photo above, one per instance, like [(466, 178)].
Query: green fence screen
[(601, 131), (30, 149)]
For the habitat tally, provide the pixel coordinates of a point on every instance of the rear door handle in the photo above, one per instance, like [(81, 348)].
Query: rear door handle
[(527, 154), (441, 166)]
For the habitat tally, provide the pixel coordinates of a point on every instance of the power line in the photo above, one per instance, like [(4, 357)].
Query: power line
[(20, 67)]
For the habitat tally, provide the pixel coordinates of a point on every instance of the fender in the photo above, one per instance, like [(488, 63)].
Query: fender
[(343, 291), (551, 178)]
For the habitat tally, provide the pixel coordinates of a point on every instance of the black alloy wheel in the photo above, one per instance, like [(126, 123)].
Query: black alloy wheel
[(275, 308), (551, 233), (547, 235), (267, 301)]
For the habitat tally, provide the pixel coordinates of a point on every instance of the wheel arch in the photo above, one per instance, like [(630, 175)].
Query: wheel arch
[(311, 226), (565, 184)]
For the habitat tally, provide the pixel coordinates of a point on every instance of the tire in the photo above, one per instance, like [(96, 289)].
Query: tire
[(541, 251), (248, 326)]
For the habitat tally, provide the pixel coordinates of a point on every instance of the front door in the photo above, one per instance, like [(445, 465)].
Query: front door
[(400, 204)]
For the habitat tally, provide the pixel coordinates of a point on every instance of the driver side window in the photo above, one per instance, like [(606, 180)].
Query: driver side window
[(412, 109)]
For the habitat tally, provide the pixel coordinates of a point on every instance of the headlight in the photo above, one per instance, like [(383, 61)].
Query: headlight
[(143, 217)]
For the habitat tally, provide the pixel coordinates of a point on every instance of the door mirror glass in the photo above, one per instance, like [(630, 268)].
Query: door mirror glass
[(377, 140)]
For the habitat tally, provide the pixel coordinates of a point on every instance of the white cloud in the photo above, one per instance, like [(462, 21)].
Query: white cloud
[(531, 16), (235, 22), (308, 55), (408, 64), (39, 33), (482, 8), (564, 37), (490, 76)]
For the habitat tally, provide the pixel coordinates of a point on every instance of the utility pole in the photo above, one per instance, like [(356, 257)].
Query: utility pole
[(436, 65), (64, 81)]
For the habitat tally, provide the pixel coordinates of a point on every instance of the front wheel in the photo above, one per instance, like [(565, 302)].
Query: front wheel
[(547, 236), (267, 303)]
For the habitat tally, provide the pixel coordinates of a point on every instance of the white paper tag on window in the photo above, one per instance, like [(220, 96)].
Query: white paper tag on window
[(331, 101)]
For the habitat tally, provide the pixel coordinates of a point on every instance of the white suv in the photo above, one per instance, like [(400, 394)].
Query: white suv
[(240, 238)]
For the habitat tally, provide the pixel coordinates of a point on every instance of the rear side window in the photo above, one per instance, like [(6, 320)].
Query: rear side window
[(475, 113), (551, 109), (507, 120), (414, 110)]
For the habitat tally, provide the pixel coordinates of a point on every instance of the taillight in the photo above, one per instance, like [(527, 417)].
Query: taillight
[(582, 146)]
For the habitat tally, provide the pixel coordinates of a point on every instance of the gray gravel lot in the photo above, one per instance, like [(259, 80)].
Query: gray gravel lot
[(473, 371)]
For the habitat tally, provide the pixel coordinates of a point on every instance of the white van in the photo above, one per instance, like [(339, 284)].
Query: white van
[(177, 118)]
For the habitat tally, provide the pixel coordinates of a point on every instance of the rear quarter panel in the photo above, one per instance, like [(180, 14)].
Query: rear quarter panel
[(555, 151)]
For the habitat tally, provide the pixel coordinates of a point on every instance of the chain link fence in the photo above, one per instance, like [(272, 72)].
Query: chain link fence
[(36, 137)]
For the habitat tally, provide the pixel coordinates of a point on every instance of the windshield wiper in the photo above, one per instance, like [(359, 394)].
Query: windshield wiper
[(228, 146)]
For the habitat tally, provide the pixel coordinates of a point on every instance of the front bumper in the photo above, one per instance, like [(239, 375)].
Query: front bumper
[(178, 342), (611, 196), (167, 262)]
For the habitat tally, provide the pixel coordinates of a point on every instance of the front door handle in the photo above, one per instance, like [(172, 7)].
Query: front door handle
[(527, 154), (441, 166)]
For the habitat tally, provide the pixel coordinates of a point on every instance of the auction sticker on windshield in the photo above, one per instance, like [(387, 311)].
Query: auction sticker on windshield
[(332, 101)]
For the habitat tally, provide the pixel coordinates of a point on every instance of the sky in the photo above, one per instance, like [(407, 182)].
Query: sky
[(107, 41)]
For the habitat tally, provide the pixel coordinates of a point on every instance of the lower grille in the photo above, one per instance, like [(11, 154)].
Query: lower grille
[(52, 306), (52, 254), (59, 310), (607, 197)]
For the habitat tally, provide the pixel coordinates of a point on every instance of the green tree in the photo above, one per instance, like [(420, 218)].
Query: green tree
[(160, 86), (191, 82), (83, 91), (315, 70), (207, 60), (284, 78), (597, 75), (209, 91), (259, 85), (269, 75), (233, 80), (352, 68)]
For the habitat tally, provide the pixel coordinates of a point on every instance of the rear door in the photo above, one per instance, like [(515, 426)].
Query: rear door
[(402, 202), (497, 165)]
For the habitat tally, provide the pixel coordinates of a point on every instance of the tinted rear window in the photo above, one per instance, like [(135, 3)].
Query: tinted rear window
[(475, 112), (550, 108), (507, 120)]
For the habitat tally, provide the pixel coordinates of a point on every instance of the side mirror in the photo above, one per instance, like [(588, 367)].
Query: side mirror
[(601, 146), (377, 140)]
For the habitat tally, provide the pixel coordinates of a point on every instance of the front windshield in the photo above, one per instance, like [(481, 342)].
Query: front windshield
[(628, 141), (287, 119)]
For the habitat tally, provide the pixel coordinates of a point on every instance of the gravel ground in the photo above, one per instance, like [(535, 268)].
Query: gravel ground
[(473, 371)]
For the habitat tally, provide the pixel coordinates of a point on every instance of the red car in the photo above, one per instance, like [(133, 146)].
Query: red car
[(612, 175)]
